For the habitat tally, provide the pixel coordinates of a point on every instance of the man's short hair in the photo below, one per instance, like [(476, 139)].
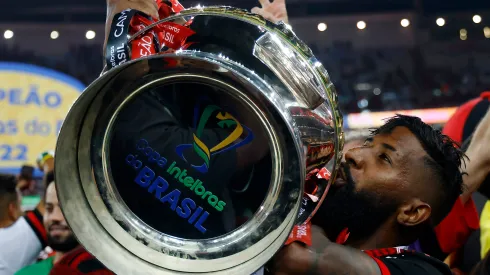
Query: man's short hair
[(8, 193), (444, 159)]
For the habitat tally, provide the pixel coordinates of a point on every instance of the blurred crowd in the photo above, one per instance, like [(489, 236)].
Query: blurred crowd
[(427, 76), (83, 62)]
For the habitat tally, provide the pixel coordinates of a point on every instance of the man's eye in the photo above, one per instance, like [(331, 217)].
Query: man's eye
[(385, 157)]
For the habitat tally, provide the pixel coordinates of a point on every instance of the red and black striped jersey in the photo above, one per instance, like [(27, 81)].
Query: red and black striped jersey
[(78, 262), (396, 261)]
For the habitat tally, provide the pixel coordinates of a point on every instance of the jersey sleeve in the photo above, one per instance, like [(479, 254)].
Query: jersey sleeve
[(79, 262), (409, 264)]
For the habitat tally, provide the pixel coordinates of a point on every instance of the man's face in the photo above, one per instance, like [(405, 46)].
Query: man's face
[(375, 180), (60, 236)]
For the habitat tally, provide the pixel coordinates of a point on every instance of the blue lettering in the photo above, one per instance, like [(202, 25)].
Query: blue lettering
[(145, 177), (186, 210), (52, 99), (173, 198), (44, 128), (133, 161), (160, 185), (14, 98), (8, 127), (202, 219), (141, 144), (13, 152), (37, 127), (33, 97), (194, 216), (153, 156)]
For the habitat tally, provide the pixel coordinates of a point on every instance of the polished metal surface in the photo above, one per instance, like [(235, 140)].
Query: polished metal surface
[(248, 64)]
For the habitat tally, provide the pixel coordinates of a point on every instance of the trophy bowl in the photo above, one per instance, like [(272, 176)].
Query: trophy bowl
[(195, 160)]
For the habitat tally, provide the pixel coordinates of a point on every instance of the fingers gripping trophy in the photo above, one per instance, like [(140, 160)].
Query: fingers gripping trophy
[(211, 134)]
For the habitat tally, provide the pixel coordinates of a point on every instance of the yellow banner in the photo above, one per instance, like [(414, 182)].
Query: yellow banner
[(33, 104)]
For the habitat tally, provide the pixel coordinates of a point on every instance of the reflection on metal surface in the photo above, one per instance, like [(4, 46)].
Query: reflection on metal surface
[(282, 60), (158, 182)]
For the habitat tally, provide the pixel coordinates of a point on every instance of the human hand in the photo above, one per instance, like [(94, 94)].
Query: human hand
[(114, 7), (274, 11)]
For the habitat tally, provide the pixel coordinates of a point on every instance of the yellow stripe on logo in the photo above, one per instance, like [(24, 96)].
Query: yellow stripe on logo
[(201, 145)]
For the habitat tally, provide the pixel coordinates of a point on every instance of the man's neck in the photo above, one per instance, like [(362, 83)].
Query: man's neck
[(6, 223), (384, 237), (57, 256)]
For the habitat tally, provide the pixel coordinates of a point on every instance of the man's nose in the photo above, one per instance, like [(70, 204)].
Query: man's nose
[(57, 215), (354, 158)]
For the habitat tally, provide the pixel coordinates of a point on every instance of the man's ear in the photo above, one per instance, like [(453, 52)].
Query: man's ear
[(413, 213), (13, 211)]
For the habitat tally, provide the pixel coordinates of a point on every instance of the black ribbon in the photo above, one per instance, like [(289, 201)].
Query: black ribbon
[(118, 50)]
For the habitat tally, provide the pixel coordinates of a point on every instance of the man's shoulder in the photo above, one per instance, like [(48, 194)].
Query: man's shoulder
[(40, 268), (27, 227), (19, 228), (395, 261)]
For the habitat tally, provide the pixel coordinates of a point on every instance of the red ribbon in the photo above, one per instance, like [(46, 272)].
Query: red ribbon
[(165, 35)]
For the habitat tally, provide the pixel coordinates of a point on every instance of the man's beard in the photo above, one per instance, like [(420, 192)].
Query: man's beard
[(62, 244), (361, 212)]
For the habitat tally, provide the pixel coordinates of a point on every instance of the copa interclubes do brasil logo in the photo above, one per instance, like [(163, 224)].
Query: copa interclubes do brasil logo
[(158, 185)]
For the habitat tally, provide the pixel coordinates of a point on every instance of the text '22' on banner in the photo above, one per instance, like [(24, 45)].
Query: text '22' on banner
[(33, 104)]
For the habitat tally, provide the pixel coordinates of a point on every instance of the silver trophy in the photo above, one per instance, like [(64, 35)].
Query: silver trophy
[(195, 161)]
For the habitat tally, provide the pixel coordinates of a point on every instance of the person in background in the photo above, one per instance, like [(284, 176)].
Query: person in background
[(45, 161), (21, 237), (10, 201), (60, 236), (461, 238), (25, 181)]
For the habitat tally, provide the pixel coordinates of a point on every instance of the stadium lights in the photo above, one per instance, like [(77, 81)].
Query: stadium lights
[(486, 32), (476, 18), (322, 27), (361, 25), (8, 34), (440, 22), (405, 22), (54, 35), (90, 35), (463, 34)]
